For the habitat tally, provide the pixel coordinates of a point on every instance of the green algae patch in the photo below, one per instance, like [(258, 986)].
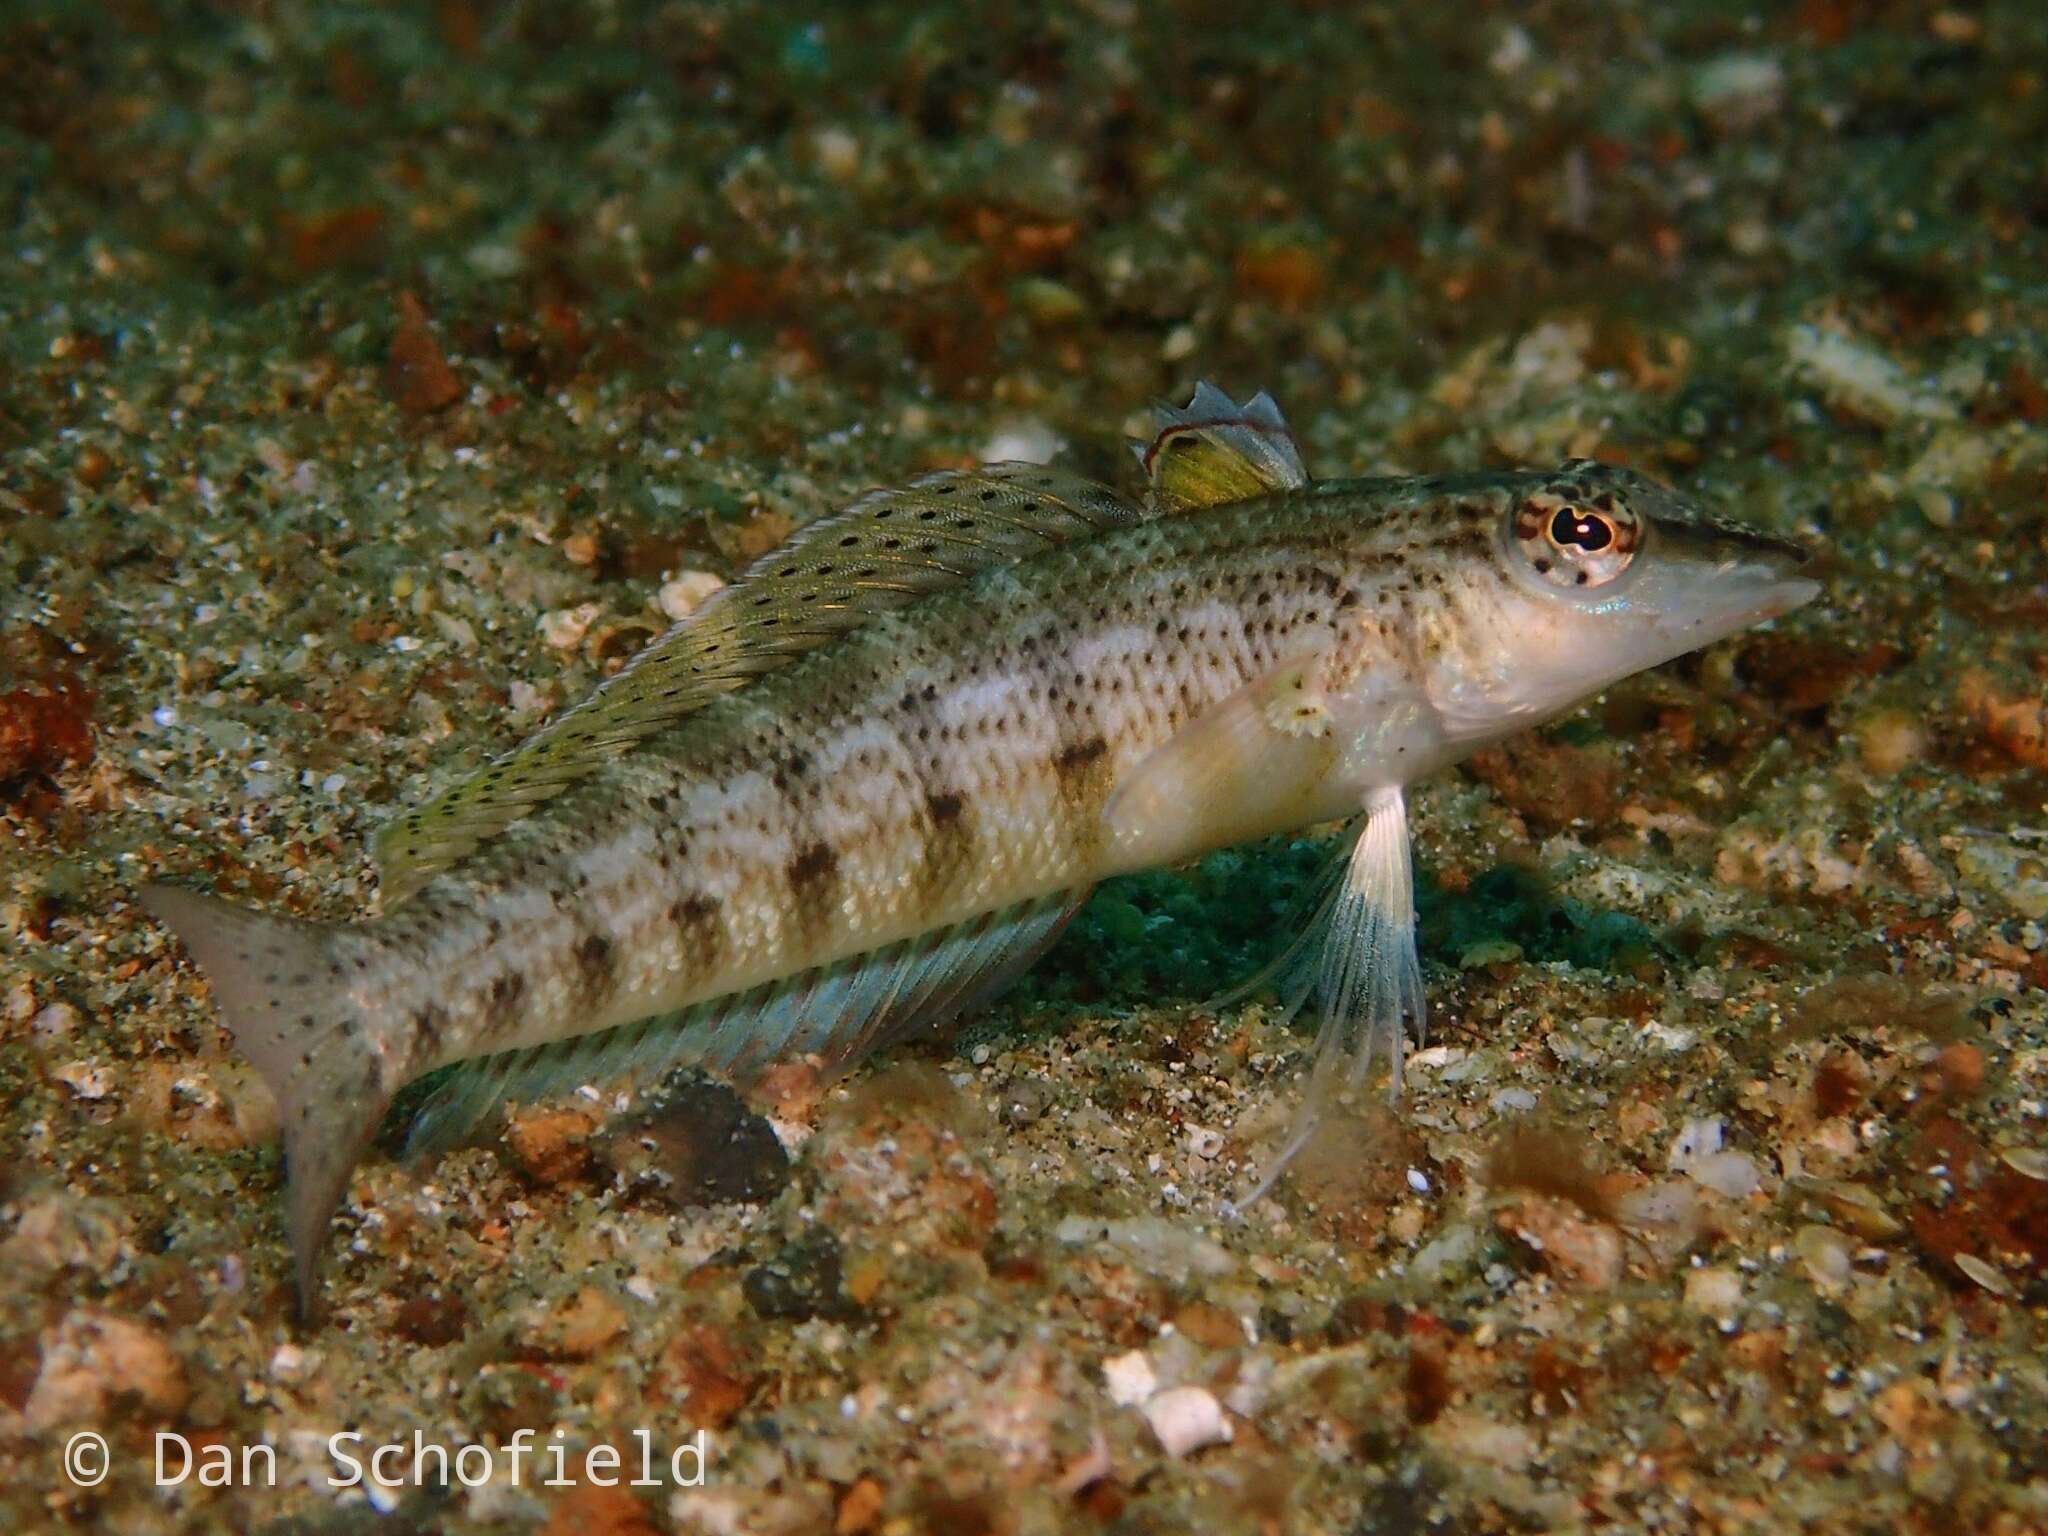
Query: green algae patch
[(1196, 933), (1510, 905), (1186, 934)]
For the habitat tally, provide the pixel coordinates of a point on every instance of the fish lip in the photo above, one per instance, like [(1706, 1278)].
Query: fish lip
[(1758, 571), (1787, 593), (1733, 596)]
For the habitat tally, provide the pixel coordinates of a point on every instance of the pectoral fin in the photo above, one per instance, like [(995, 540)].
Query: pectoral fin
[(1246, 767)]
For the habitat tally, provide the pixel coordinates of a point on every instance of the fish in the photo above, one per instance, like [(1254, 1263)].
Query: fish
[(861, 789)]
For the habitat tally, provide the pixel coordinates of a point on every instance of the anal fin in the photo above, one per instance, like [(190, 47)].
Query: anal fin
[(839, 1012)]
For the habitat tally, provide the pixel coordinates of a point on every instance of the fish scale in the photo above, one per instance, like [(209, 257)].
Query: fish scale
[(868, 782)]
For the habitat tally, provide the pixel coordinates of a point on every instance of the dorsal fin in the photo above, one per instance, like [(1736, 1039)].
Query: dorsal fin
[(883, 552), (1216, 450)]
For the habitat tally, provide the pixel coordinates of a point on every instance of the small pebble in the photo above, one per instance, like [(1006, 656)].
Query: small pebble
[(1025, 1101), (288, 1362), (578, 1328), (1185, 1419), (85, 1080), (564, 628), (1858, 1208), (1716, 1292), (529, 700), (1129, 1378), (803, 1281), (93, 1361), (838, 153), (551, 1145), (1696, 1139), (1889, 740), (682, 595), (1738, 90), (698, 1144), (1024, 441), (1580, 1252), (1733, 1174), (56, 1022)]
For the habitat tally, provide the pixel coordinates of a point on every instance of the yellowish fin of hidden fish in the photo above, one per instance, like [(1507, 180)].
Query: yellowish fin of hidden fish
[(864, 786)]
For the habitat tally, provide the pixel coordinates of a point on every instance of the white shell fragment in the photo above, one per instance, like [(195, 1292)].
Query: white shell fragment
[(1857, 375), (1129, 1378), (1204, 1142), (1696, 1139), (1826, 1255), (1185, 1419), (2032, 1162), (1984, 1274), (1716, 1292), (1731, 1174), (1022, 440)]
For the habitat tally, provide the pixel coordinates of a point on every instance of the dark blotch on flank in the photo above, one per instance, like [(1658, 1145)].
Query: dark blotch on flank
[(594, 954), (692, 910), (1080, 755), (506, 992), (944, 809), (816, 862), (428, 1025)]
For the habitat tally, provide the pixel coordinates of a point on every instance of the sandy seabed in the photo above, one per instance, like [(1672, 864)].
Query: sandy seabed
[(374, 380)]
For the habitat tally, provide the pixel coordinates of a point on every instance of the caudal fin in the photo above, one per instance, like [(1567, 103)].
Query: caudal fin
[(282, 988)]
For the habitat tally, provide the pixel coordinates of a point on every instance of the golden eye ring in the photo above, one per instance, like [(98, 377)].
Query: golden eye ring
[(1573, 543)]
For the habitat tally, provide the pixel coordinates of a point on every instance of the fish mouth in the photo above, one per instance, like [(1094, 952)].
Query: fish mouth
[(1732, 576), (1783, 596), (1765, 570), (1756, 591)]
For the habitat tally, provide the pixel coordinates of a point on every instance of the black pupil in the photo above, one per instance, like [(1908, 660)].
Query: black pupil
[(1589, 533)]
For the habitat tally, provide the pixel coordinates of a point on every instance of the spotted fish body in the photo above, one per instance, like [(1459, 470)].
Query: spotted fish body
[(852, 807), (923, 771)]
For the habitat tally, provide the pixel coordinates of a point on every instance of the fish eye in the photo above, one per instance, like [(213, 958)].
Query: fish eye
[(1575, 543), (1587, 530)]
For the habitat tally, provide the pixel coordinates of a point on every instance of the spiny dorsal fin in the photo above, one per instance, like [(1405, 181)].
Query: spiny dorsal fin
[(883, 552), (1217, 450)]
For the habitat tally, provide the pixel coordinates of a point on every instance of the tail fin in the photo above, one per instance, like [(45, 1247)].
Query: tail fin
[(279, 985)]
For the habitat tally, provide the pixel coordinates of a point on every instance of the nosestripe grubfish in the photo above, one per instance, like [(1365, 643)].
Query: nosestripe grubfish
[(864, 786)]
